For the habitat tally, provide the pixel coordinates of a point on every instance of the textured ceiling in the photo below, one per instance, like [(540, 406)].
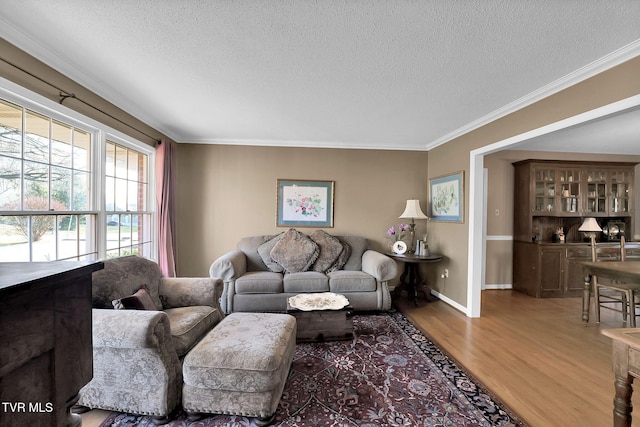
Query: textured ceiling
[(364, 74), (617, 133)]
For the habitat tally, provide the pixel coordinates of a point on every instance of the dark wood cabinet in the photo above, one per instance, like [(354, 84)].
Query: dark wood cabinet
[(545, 270), (45, 330), (573, 269), (554, 195), (540, 270), (551, 271)]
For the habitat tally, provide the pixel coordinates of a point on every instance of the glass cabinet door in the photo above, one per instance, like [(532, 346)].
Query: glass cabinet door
[(545, 190), (596, 197), (620, 188), (569, 190)]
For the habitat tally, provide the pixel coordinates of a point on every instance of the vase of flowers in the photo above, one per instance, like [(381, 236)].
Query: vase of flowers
[(396, 233)]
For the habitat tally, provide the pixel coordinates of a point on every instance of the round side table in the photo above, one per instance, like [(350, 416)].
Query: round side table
[(414, 284)]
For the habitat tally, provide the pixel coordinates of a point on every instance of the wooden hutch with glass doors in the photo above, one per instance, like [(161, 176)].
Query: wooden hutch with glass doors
[(551, 199)]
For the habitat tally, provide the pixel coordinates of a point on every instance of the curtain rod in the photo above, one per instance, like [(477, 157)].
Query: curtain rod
[(65, 94)]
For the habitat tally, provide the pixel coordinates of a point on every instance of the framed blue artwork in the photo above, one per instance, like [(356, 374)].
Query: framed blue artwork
[(446, 198)]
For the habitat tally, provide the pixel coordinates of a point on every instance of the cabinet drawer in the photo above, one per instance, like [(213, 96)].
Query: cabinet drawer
[(635, 252), (608, 254), (579, 252)]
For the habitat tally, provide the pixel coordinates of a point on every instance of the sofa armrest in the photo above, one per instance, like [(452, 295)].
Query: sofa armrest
[(133, 329), (379, 266), (190, 291), (229, 266)]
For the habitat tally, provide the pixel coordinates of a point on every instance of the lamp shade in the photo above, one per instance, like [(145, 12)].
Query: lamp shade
[(589, 225), (412, 210)]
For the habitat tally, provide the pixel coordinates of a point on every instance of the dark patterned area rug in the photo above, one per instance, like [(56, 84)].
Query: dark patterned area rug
[(390, 374)]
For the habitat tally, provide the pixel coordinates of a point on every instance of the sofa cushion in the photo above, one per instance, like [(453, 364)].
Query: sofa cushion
[(358, 247), (342, 259), (259, 282), (308, 281), (189, 324), (330, 249), (295, 251), (345, 281), (265, 253)]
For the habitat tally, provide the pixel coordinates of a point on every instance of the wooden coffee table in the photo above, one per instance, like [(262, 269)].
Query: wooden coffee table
[(323, 325)]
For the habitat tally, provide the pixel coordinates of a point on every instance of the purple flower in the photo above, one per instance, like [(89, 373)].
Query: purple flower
[(391, 232), (403, 227)]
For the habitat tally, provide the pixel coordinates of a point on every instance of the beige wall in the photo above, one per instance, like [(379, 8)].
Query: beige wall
[(610, 86), (228, 192)]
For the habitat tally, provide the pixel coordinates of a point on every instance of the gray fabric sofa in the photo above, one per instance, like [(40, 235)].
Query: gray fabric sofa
[(138, 353), (256, 282)]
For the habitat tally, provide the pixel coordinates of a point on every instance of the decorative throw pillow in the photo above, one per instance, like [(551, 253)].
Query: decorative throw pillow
[(265, 253), (141, 300), (330, 249), (295, 252), (342, 258)]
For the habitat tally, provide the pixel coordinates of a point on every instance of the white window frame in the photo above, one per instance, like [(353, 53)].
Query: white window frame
[(100, 132), (121, 139)]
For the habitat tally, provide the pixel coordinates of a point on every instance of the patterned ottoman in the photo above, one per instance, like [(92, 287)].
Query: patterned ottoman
[(240, 366)]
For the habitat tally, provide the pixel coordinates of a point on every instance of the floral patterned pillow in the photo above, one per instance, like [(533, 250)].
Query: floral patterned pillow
[(342, 258), (330, 249), (264, 250), (295, 252)]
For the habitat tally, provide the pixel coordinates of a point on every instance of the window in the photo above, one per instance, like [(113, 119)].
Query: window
[(45, 188), (126, 189), (55, 203)]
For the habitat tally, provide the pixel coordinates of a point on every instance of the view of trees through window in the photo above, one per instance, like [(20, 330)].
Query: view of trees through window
[(45, 188), (49, 193)]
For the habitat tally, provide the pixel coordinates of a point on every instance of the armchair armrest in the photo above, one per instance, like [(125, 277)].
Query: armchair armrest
[(190, 291), (135, 365), (229, 266), (133, 329), (379, 266)]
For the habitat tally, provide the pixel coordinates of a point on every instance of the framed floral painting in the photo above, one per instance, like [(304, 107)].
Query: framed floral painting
[(305, 203), (446, 198)]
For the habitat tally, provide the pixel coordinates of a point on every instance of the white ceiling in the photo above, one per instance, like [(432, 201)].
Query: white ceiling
[(362, 74), (612, 134)]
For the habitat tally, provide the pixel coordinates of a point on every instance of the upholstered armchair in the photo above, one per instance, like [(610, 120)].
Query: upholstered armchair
[(137, 353)]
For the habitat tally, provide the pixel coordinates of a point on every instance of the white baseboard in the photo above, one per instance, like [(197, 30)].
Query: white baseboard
[(498, 286), (460, 307), (451, 302)]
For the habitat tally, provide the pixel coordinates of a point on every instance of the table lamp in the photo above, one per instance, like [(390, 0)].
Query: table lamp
[(413, 211), (590, 227)]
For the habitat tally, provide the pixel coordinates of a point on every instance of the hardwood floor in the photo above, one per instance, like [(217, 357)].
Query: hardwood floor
[(94, 418), (533, 354)]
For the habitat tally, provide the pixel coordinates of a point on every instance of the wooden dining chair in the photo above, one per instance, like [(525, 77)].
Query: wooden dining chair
[(620, 297)]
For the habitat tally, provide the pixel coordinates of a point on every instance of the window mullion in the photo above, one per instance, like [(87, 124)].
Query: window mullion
[(50, 169), (22, 155), (99, 177)]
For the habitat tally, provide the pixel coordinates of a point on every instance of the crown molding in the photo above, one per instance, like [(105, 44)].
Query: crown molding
[(617, 57), (300, 144)]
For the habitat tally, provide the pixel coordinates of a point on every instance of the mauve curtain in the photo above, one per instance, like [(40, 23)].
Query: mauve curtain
[(166, 206)]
